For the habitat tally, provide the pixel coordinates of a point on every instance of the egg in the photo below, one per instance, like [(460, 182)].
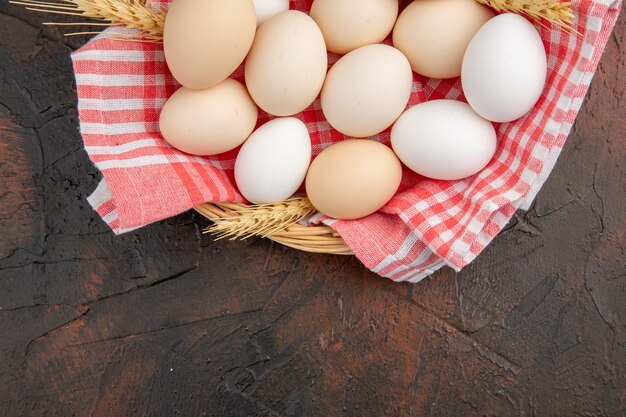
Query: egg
[(287, 64), (268, 8), (434, 34), (273, 162), (366, 90), (210, 121), (353, 179), (206, 40), (504, 68), (443, 140), (350, 24)]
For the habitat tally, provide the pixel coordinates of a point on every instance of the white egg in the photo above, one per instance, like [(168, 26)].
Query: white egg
[(268, 8), (443, 140), (504, 68), (273, 162)]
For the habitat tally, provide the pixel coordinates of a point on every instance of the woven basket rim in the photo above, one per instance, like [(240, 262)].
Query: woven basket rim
[(314, 239)]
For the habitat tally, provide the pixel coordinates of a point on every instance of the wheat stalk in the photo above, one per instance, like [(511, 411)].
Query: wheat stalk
[(556, 12), (261, 220), (134, 14)]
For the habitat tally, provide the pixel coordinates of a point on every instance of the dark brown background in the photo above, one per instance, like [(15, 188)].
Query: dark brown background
[(166, 322)]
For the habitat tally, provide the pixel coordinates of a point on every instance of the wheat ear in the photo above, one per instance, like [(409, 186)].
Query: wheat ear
[(556, 12), (261, 220), (134, 14)]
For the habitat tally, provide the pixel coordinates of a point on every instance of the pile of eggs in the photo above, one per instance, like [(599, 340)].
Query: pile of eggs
[(501, 61)]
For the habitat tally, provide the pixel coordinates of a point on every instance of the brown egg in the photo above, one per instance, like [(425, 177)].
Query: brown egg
[(350, 24), (287, 64), (367, 90), (434, 34), (206, 40), (208, 122), (353, 179)]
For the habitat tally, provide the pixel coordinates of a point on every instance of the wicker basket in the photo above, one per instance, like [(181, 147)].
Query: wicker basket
[(317, 239)]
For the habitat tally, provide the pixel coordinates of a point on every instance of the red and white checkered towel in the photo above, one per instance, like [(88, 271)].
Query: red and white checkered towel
[(428, 224)]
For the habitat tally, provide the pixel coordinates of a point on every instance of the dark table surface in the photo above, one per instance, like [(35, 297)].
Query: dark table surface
[(167, 322)]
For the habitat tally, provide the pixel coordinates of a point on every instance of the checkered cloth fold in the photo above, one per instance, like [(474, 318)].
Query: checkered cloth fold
[(428, 224)]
